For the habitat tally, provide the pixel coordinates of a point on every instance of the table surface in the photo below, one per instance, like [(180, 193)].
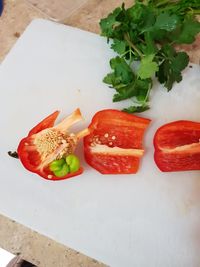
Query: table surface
[(84, 14)]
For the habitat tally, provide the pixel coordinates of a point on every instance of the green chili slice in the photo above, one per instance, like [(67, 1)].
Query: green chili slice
[(73, 163)]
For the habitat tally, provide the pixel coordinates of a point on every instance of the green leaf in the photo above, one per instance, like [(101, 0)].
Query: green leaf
[(149, 47), (180, 61), (119, 46), (166, 21), (138, 89), (108, 24), (188, 31), (136, 109), (158, 35), (172, 65), (109, 78), (136, 13), (148, 67), (122, 74), (125, 92), (122, 70)]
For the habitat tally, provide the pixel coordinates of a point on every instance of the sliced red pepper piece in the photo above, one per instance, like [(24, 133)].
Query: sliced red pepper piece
[(46, 142), (46, 123), (114, 145), (177, 146)]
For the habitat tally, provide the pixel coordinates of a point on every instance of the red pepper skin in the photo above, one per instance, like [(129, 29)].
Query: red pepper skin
[(115, 128), (47, 172), (177, 146), (30, 158), (44, 124)]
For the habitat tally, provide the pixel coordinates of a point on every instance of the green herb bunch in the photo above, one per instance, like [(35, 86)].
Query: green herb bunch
[(147, 33)]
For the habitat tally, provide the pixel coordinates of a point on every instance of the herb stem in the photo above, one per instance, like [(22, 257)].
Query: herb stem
[(161, 3), (166, 2), (196, 12), (126, 37), (147, 95)]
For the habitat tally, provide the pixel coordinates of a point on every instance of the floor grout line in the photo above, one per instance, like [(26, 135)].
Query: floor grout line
[(38, 9), (61, 20)]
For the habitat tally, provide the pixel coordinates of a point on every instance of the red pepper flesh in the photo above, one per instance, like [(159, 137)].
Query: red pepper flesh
[(114, 145), (28, 151), (177, 146), (46, 123)]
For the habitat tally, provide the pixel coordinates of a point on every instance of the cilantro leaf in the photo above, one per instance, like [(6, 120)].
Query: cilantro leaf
[(108, 24), (136, 13), (122, 75), (137, 88), (125, 92), (188, 31), (122, 70), (166, 21), (180, 61), (172, 65), (111, 79), (150, 45), (137, 109), (119, 46), (148, 67), (146, 32)]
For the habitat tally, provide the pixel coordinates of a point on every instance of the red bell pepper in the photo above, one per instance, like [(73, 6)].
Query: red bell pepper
[(46, 143), (114, 145), (177, 146)]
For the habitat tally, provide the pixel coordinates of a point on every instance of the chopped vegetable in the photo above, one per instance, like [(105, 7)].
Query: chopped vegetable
[(47, 148), (177, 146), (56, 164), (63, 171), (73, 163), (147, 32), (115, 142)]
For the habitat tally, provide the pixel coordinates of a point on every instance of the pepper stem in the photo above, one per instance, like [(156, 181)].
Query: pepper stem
[(73, 118), (82, 133)]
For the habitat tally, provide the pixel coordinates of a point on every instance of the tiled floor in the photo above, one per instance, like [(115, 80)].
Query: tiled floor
[(57, 9), (83, 14)]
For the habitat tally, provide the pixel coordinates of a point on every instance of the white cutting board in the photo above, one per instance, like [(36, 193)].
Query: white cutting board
[(150, 219)]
